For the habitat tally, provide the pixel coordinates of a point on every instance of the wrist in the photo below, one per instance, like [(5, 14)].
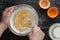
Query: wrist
[(3, 27)]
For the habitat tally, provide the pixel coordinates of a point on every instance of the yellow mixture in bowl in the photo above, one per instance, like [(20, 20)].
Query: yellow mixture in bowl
[(22, 20)]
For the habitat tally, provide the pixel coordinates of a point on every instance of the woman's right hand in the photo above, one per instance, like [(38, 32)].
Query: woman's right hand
[(36, 34)]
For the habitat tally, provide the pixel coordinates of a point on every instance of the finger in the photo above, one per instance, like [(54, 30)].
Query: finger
[(8, 9), (33, 30), (15, 7), (36, 28), (30, 33), (11, 10)]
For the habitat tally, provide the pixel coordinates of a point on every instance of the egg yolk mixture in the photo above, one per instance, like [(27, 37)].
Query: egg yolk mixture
[(22, 20)]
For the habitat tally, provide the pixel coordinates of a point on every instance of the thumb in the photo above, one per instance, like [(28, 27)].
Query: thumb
[(35, 29)]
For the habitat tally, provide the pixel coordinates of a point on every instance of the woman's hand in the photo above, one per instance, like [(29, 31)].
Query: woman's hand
[(6, 14), (5, 19), (36, 34)]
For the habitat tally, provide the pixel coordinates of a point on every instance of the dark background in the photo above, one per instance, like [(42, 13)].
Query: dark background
[(44, 20)]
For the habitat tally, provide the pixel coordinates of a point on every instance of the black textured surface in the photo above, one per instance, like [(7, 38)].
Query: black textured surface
[(44, 20)]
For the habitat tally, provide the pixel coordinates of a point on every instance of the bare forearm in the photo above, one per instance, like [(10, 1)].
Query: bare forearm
[(2, 28)]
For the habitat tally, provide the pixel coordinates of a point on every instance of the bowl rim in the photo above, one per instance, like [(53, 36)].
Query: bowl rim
[(29, 28), (51, 30)]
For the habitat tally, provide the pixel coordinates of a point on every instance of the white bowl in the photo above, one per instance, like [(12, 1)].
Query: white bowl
[(54, 31), (34, 15)]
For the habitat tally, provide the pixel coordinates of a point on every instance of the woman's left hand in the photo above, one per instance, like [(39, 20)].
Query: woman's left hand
[(5, 18)]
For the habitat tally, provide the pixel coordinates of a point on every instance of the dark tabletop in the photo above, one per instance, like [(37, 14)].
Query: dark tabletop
[(44, 20)]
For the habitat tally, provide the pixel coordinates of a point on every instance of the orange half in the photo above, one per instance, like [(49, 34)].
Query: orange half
[(44, 4), (52, 12)]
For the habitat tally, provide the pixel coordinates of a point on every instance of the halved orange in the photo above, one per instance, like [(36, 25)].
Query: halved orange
[(44, 4), (52, 12)]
